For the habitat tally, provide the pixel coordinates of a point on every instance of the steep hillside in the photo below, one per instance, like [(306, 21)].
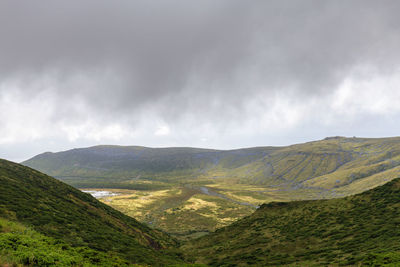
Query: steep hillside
[(364, 228), (64, 213)]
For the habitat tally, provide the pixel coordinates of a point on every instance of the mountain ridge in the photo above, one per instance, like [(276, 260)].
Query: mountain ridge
[(297, 165)]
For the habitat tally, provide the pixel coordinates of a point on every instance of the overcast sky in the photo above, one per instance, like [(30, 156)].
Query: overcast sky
[(209, 73)]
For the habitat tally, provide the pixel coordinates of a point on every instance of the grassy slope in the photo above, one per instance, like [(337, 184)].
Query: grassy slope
[(62, 212), (363, 228)]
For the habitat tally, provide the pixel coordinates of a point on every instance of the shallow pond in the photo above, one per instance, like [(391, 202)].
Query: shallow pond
[(100, 193)]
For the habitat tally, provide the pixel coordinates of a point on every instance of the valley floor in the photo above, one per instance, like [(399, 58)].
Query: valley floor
[(190, 211)]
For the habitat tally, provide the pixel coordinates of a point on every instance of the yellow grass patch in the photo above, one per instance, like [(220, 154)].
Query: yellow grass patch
[(195, 203), (241, 187), (246, 199), (136, 200)]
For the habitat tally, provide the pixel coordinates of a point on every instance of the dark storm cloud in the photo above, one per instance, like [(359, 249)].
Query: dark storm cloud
[(206, 57)]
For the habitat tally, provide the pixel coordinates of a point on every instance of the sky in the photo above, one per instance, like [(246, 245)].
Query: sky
[(214, 74)]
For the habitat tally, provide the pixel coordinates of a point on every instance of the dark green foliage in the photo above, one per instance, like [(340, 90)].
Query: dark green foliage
[(21, 245), (65, 213), (364, 228), (382, 259)]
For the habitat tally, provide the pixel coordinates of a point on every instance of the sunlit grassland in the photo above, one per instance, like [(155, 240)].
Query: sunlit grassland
[(259, 194), (183, 212), (187, 212)]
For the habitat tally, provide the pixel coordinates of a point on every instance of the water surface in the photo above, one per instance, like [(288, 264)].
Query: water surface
[(100, 193)]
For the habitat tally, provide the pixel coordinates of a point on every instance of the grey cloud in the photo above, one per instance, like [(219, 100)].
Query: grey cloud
[(202, 57)]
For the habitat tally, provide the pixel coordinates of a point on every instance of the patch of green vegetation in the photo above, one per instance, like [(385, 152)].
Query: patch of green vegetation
[(360, 229), (20, 245), (382, 259), (64, 213)]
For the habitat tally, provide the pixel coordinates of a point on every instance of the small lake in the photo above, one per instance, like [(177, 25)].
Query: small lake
[(100, 193)]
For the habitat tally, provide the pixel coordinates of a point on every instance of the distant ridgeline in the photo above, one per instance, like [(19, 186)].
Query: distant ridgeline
[(44, 222), (335, 166)]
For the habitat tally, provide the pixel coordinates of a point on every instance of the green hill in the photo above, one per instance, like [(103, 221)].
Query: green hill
[(62, 213), (334, 166), (360, 229), (188, 191), (118, 166)]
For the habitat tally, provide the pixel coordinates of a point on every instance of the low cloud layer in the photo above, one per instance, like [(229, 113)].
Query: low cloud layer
[(220, 74)]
